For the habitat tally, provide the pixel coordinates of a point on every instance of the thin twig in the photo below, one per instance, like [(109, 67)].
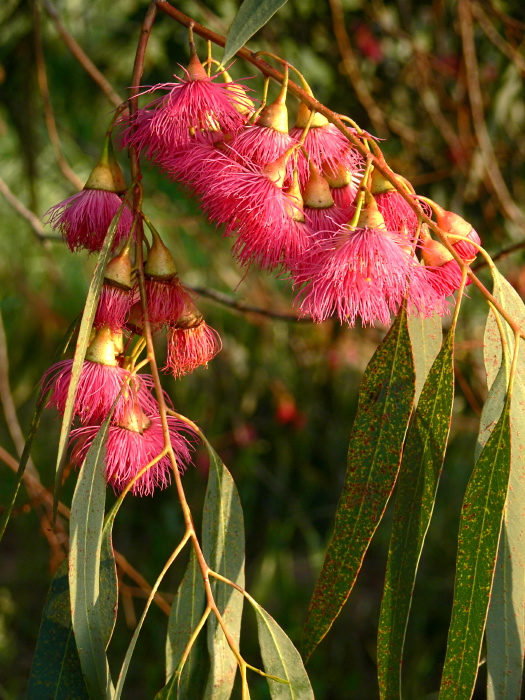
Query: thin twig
[(494, 36), (490, 161), (26, 213), (82, 57), (232, 303), (351, 68), (43, 85)]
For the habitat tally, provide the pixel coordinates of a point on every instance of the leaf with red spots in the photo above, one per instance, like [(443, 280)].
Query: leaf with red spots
[(385, 403), (417, 486)]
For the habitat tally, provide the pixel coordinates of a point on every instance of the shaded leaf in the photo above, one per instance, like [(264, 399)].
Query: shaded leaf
[(86, 521), (477, 549), (281, 659), (417, 486), (186, 612), (223, 549), (426, 335), (506, 619), (252, 15), (385, 402), (56, 671), (84, 333)]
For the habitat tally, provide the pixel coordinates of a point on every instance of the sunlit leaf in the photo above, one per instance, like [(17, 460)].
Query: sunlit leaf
[(386, 397), (84, 333), (426, 335), (56, 671), (479, 533), (86, 521), (281, 659), (186, 612), (506, 619), (252, 15), (223, 549), (416, 493)]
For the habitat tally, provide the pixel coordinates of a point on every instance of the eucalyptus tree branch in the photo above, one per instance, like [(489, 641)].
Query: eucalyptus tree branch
[(26, 213)]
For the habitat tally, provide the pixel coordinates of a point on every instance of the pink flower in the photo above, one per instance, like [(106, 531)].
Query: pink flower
[(84, 219), (130, 448), (98, 388), (260, 145), (465, 250), (189, 348), (196, 104), (165, 301), (363, 273), (113, 307), (398, 214)]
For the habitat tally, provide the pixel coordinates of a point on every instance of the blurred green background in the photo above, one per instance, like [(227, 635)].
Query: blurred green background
[(279, 400)]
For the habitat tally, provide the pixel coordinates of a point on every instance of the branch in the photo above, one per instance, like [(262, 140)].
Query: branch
[(27, 214), (232, 303), (43, 85), (82, 57)]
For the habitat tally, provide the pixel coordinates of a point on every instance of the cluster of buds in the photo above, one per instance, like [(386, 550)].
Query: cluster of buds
[(300, 201)]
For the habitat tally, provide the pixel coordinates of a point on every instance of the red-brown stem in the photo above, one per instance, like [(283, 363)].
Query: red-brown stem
[(377, 159)]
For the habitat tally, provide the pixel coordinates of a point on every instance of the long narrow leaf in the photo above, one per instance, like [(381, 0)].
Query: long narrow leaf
[(252, 15), (477, 549), (186, 613), (417, 486), (84, 332), (86, 521), (281, 659), (426, 335), (56, 671), (223, 549), (506, 619), (385, 402)]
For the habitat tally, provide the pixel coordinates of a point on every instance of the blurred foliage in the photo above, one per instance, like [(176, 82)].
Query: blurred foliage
[(279, 400)]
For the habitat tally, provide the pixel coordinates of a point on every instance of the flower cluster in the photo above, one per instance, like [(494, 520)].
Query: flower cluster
[(301, 201)]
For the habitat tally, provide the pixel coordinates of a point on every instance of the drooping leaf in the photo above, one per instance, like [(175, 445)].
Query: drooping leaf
[(506, 619), (385, 402), (84, 333), (86, 521), (281, 659), (223, 549), (186, 612), (252, 15), (56, 671), (479, 533), (416, 493), (426, 335)]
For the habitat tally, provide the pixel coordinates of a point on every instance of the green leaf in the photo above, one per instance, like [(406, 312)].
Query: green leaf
[(385, 402), (417, 486), (84, 333), (281, 659), (505, 630), (426, 335), (186, 612), (252, 15), (479, 533), (86, 521), (56, 671), (223, 549)]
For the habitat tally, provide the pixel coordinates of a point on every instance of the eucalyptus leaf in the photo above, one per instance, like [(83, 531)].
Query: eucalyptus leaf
[(252, 15), (385, 403), (426, 335), (416, 493), (56, 671), (86, 522), (223, 549)]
